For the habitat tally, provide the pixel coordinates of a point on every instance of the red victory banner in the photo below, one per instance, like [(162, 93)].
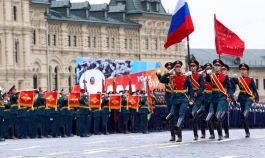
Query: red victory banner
[(73, 99), (95, 101), (51, 99), (26, 98), (226, 41), (115, 102), (133, 101)]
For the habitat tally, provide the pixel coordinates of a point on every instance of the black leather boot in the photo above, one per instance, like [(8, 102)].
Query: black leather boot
[(167, 118), (172, 132), (219, 130), (200, 112), (105, 130), (246, 127), (179, 136), (208, 119), (63, 134), (12, 133), (195, 129), (126, 129), (40, 133), (178, 126)]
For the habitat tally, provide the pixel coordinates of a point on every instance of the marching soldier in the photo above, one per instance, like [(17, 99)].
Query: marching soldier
[(207, 103), (221, 95), (6, 99), (2, 108), (182, 95), (168, 93), (248, 94), (22, 122), (55, 120), (143, 111), (83, 124), (96, 113), (225, 70), (198, 88), (125, 112), (105, 113), (13, 111), (40, 112), (63, 105)]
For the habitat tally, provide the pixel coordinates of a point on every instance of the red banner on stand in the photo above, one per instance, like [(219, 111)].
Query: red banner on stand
[(95, 101), (115, 102), (73, 99), (133, 101)]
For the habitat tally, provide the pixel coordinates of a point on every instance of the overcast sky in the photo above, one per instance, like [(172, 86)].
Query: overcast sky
[(246, 18)]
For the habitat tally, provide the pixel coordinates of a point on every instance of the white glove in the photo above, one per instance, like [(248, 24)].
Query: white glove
[(188, 73), (201, 72), (235, 75), (209, 72), (191, 103), (171, 71), (158, 72)]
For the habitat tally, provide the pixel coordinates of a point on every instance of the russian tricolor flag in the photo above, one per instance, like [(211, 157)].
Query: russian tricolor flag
[(181, 24)]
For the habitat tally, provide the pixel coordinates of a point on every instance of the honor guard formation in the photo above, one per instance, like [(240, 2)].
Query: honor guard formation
[(200, 98)]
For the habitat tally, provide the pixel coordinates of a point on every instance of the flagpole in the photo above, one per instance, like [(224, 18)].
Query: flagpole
[(219, 55), (188, 46)]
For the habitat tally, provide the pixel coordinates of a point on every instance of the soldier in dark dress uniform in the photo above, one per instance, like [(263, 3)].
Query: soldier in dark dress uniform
[(221, 95), (198, 86), (168, 95), (248, 94), (83, 126), (182, 95), (143, 111), (13, 111)]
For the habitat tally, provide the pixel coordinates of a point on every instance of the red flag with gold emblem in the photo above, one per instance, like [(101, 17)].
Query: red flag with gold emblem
[(133, 101), (51, 99), (115, 102), (73, 99), (26, 98), (95, 101)]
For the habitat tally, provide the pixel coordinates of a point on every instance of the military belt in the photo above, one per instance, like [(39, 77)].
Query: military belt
[(144, 106), (105, 107), (243, 91), (208, 91), (65, 107), (23, 108), (6, 110), (14, 105), (41, 106), (168, 90), (217, 89), (86, 107), (180, 91)]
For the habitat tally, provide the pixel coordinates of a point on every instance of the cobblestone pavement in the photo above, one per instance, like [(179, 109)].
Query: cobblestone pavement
[(138, 146)]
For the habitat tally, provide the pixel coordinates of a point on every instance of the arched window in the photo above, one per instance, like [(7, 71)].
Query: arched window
[(75, 77), (56, 78), (15, 13), (35, 82), (34, 37), (16, 50), (70, 78), (50, 79)]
